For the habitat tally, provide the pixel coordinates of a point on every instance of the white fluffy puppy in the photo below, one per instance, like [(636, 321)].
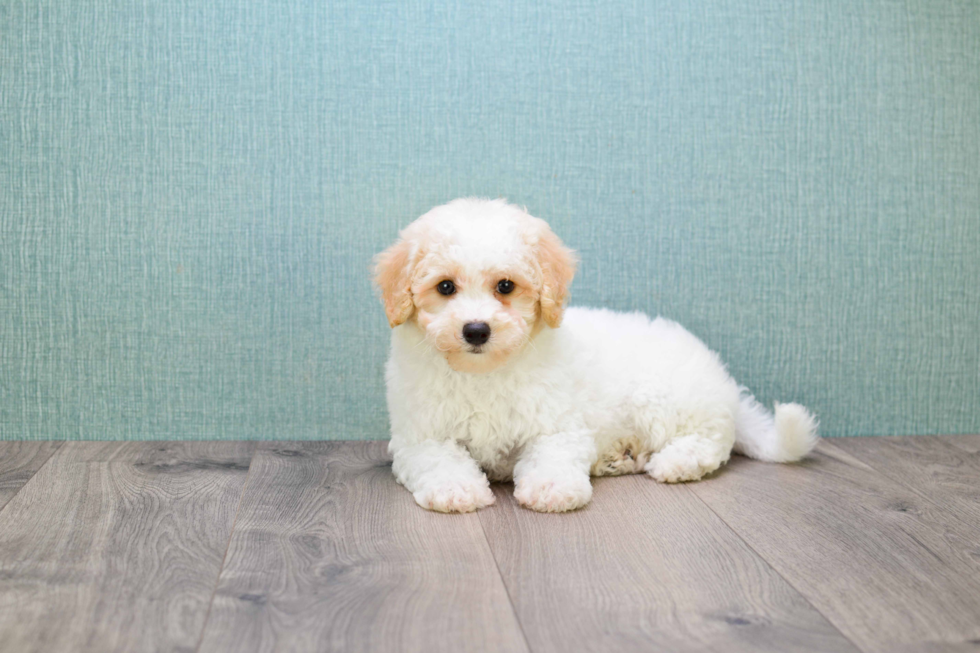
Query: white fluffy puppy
[(483, 383)]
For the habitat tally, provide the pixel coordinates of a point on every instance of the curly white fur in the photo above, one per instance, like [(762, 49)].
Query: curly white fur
[(606, 393)]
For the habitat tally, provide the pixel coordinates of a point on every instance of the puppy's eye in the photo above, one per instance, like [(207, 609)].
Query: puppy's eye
[(505, 287), (446, 287)]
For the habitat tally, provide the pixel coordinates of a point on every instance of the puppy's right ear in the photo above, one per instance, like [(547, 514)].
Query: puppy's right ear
[(393, 275)]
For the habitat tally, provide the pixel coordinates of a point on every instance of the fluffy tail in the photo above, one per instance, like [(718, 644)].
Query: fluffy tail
[(785, 438)]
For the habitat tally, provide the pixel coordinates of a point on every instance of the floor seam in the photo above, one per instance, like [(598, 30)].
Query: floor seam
[(776, 570), (910, 488), (224, 558), (500, 575), (61, 443)]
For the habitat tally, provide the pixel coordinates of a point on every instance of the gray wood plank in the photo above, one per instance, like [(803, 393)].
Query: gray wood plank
[(945, 469), (118, 546), (19, 461), (330, 554), (645, 567), (891, 570)]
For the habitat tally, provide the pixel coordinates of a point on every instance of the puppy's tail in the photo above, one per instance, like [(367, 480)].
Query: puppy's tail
[(784, 438)]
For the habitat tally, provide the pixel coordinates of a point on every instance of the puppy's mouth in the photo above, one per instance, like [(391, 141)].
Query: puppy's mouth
[(478, 349)]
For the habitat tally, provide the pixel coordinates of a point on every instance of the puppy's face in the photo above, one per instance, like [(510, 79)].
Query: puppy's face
[(479, 277)]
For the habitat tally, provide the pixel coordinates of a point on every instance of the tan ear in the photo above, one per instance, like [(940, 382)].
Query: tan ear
[(393, 275), (557, 269)]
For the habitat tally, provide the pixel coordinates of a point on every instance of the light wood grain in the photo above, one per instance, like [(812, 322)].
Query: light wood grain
[(118, 546), (645, 567), (945, 469), (19, 461), (330, 554), (891, 570)]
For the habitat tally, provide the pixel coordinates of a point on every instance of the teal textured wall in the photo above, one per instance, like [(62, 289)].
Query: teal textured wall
[(191, 191)]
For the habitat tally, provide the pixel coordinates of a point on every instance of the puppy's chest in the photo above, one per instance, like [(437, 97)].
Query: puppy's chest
[(488, 414), (495, 425)]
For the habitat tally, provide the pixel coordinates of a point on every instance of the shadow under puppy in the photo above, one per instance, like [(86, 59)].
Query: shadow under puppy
[(490, 376)]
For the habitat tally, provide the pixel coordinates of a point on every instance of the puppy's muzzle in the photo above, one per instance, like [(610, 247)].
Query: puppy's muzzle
[(476, 333)]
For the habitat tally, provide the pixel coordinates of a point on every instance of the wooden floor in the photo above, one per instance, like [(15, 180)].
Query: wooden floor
[(871, 545)]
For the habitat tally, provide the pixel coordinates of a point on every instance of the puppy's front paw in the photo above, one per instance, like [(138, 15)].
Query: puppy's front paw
[(455, 496), (551, 494)]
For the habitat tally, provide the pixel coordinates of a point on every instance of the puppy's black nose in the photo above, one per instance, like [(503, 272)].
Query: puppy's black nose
[(476, 333)]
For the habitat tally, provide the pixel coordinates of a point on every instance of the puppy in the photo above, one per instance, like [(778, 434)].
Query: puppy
[(491, 378)]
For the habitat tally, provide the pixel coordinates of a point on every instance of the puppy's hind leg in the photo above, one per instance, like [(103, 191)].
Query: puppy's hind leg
[(694, 452), (442, 476)]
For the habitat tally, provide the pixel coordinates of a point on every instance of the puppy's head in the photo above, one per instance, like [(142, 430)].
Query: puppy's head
[(479, 277)]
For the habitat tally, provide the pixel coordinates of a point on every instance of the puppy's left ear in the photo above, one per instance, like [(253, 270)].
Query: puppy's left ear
[(557, 264), (393, 275)]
